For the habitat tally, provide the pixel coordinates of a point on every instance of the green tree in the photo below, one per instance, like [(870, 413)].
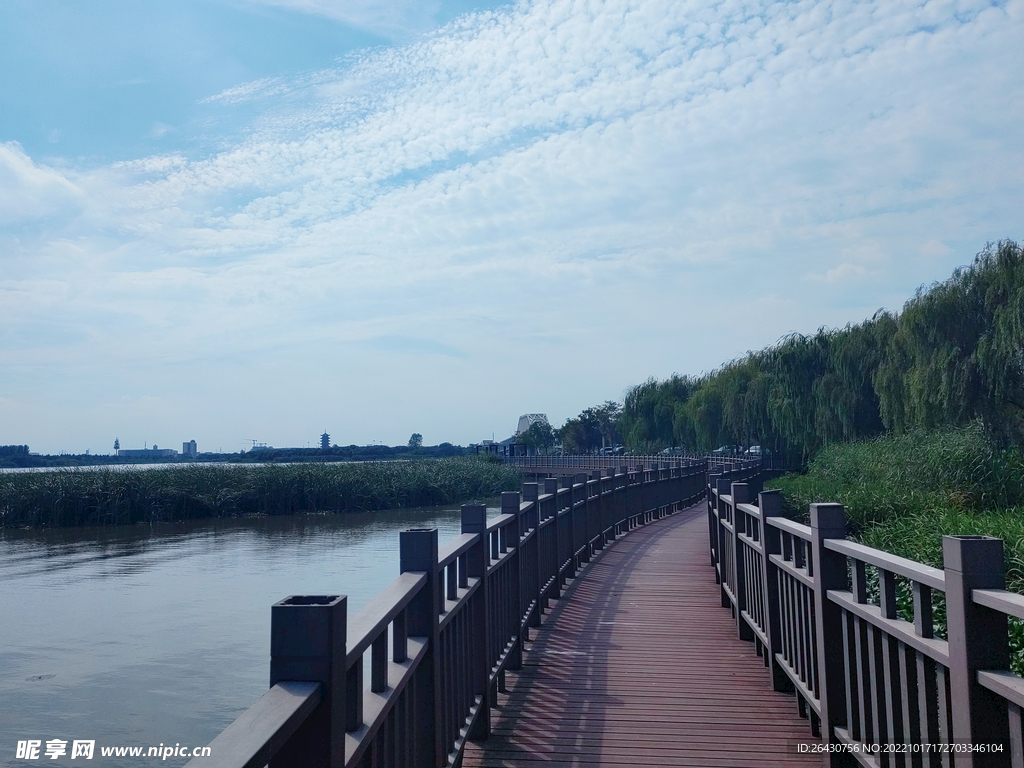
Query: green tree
[(539, 436), (416, 441), (953, 355)]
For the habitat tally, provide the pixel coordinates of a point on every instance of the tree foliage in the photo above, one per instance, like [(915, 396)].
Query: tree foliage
[(539, 436), (953, 355), (590, 430)]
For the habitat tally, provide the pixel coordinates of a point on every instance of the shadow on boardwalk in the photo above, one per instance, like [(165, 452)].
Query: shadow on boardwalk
[(638, 664)]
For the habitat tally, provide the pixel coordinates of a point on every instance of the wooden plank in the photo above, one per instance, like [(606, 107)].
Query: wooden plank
[(638, 664), (260, 731)]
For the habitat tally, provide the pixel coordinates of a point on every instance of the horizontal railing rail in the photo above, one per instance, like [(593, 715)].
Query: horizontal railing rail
[(556, 464), (440, 638), (852, 631)]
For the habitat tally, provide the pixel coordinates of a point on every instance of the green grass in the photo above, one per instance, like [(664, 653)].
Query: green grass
[(914, 473), (120, 496), (903, 493)]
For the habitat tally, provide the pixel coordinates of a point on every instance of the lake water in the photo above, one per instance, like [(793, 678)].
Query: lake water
[(140, 636)]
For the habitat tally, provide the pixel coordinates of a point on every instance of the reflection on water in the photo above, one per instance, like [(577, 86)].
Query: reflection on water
[(146, 635)]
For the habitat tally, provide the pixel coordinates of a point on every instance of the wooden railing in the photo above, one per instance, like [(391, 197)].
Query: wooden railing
[(442, 635), (538, 464), (588, 462), (851, 630)]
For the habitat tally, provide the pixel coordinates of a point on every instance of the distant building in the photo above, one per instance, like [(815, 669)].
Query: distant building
[(189, 449), (528, 419), (325, 441)]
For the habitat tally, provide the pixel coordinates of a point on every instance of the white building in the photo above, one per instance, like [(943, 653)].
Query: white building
[(528, 419)]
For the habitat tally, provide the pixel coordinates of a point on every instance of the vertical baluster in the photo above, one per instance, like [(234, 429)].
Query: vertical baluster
[(877, 689), (399, 638), (890, 665), (531, 562), (451, 575), (510, 502), (786, 622), (379, 662), (740, 493), (908, 696), (474, 521), (1016, 737), (770, 504), (551, 488), (860, 595), (945, 716), (927, 714), (803, 648), (449, 687), (854, 724)]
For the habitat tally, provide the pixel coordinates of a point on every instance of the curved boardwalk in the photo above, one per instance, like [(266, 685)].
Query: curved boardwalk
[(639, 665)]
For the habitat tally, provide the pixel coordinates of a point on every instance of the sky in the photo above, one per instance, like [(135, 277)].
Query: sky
[(239, 220)]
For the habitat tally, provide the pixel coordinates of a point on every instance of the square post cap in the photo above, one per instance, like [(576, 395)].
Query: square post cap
[(972, 554)]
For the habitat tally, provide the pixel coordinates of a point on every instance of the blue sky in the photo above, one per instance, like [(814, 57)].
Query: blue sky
[(232, 220)]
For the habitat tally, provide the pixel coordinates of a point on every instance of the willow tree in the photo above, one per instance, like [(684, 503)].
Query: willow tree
[(957, 354), (649, 417), (953, 355)]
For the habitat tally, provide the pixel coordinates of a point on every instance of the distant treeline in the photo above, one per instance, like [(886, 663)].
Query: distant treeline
[(355, 453), (10, 458), (954, 355)]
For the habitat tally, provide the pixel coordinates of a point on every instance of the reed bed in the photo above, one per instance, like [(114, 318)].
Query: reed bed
[(120, 496), (916, 472), (903, 493)]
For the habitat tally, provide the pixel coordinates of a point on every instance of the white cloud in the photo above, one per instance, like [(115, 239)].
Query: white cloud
[(396, 18), (262, 88), (29, 190), (537, 178), (934, 249), (841, 274)]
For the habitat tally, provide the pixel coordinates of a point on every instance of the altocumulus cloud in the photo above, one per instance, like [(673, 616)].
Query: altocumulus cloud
[(549, 157)]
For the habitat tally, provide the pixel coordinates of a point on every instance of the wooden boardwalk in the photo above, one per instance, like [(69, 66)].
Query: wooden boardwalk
[(639, 665)]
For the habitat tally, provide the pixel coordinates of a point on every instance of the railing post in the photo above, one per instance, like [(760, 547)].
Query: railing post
[(722, 486), (531, 492), (551, 487), (307, 643), (622, 500), (712, 484), (740, 494), (597, 512), (474, 520), (828, 521), (609, 519), (641, 490), (581, 480), (510, 502), (607, 505), (770, 504), (977, 641), (418, 552), (566, 483)]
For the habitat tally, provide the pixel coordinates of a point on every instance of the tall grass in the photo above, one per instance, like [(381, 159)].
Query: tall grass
[(914, 473), (903, 493), (119, 496)]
